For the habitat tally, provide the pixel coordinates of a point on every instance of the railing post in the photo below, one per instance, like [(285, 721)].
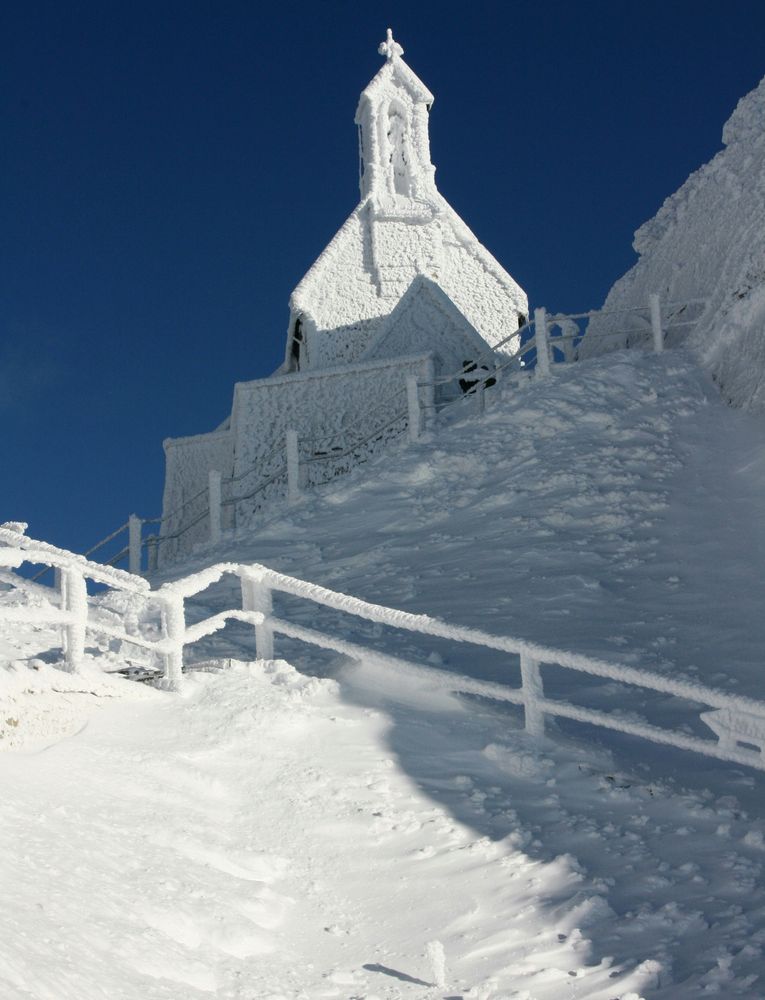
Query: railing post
[(152, 553), (293, 467), (533, 692), (256, 596), (413, 407), (480, 397), (130, 620), (74, 600), (134, 544), (658, 334), (213, 503), (541, 341), (174, 633), (569, 330), (429, 395)]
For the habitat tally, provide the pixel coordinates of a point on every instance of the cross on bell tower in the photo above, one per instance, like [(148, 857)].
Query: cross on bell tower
[(390, 48)]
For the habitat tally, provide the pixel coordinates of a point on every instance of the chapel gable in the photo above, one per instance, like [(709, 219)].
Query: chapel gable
[(425, 307)]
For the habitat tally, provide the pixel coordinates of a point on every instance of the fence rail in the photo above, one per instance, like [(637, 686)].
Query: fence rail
[(546, 340), (738, 722)]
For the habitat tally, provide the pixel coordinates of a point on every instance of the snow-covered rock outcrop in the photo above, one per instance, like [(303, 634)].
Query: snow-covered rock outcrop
[(708, 241)]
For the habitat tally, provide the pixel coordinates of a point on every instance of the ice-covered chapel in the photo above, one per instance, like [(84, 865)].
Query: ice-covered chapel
[(403, 288), (404, 272)]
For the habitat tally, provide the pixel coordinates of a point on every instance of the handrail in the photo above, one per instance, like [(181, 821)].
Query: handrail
[(490, 355), (192, 524), (423, 624), (532, 656), (97, 572), (109, 538), (35, 551), (243, 475), (553, 319), (626, 309), (122, 554), (738, 721), (90, 551), (258, 489), (359, 443)]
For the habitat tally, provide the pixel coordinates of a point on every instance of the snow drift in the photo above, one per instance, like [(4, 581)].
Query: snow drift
[(708, 241)]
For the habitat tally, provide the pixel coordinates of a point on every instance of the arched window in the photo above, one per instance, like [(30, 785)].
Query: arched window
[(297, 346), (399, 155)]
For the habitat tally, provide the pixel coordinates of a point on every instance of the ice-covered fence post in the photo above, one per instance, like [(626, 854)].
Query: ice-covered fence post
[(152, 552), (256, 596), (480, 397), (428, 388), (413, 407), (213, 502), (541, 342), (174, 634), (74, 600), (135, 526), (293, 467), (658, 333), (533, 692), (568, 330), (130, 618)]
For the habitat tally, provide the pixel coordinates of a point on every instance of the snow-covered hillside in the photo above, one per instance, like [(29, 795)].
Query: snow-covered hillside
[(708, 241), (273, 834), (583, 512)]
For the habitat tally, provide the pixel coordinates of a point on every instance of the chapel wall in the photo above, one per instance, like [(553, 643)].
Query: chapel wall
[(329, 409), (188, 461)]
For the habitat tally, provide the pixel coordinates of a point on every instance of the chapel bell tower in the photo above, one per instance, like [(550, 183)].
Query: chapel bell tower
[(394, 145)]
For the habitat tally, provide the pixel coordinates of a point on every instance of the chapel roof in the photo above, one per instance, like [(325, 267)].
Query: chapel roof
[(395, 71)]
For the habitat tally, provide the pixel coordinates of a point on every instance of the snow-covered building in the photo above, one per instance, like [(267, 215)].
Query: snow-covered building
[(344, 309), (404, 288)]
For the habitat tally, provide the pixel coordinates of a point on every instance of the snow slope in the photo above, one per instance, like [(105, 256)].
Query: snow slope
[(708, 240), (583, 512), (273, 835)]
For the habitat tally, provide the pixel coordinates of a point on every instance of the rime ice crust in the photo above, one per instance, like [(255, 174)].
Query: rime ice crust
[(320, 406), (708, 241), (402, 229)]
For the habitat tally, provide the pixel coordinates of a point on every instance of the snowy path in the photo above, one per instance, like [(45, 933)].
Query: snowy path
[(257, 840), (264, 837)]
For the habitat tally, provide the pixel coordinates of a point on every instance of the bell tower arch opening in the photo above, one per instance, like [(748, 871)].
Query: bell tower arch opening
[(297, 350), (399, 152)]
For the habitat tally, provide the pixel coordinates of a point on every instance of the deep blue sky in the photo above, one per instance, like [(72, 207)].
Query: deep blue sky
[(169, 171)]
